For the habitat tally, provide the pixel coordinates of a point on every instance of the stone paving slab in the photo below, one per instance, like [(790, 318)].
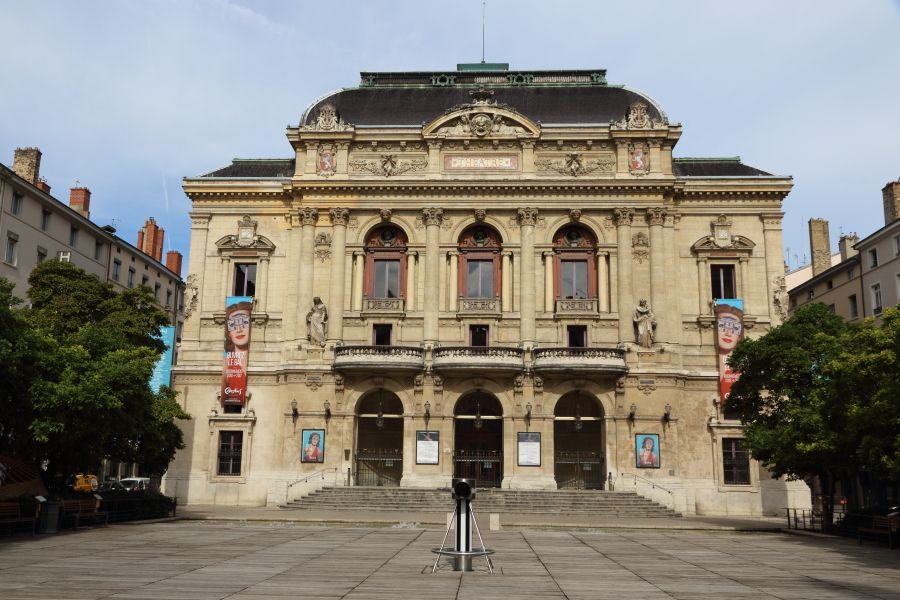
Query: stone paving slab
[(215, 560)]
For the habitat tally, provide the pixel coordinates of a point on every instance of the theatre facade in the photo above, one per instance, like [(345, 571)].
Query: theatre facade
[(488, 273)]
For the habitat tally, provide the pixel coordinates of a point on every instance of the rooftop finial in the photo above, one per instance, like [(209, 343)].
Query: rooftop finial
[(483, 13)]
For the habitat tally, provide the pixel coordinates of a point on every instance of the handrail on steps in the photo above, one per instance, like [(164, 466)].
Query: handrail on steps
[(320, 473), (652, 484)]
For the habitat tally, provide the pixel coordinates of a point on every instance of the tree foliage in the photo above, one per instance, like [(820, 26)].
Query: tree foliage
[(82, 391), (820, 397)]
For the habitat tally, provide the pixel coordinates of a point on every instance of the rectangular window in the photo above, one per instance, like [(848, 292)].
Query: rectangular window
[(897, 245), (156, 288), (735, 461), (168, 298), (577, 336), (41, 254), (479, 279), (117, 269), (387, 279), (810, 294), (831, 307), (73, 236), (873, 258), (16, 205), (723, 285), (876, 299), (11, 250), (131, 277), (829, 284), (230, 452), (854, 307), (245, 279), (145, 281), (98, 250), (478, 335), (851, 273), (45, 220), (574, 279), (382, 334)]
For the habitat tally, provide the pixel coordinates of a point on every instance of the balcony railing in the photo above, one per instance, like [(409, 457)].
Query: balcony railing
[(379, 357), (383, 305), (580, 360), (580, 306), (479, 358)]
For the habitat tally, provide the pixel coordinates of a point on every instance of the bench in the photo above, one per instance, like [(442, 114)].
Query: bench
[(83, 509), (11, 515), (888, 527)]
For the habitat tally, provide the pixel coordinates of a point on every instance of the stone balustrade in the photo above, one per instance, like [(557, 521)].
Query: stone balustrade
[(478, 358), (582, 360), (379, 357)]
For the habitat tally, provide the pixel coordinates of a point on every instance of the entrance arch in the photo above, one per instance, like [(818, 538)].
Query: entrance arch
[(578, 438), (379, 439), (478, 439)]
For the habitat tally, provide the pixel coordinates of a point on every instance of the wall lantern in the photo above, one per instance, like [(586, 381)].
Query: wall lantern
[(667, 415), (327, 410), (578, 423), (478, 422), (632, 411), (528, 412), (294, 412), (379, 420), (427, 413)]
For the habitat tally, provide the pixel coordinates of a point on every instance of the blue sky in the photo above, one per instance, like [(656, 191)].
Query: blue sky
[(128, 97)]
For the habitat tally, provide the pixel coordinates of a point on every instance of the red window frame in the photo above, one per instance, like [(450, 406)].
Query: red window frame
[(376, 252), (585, 252)]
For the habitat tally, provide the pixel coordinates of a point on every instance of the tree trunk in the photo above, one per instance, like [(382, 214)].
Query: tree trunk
[(828, 503)]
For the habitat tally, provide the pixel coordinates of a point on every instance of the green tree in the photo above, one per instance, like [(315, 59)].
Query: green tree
[(89, 397)]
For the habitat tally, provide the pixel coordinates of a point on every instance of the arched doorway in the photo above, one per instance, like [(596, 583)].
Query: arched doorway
[(478, 437), (379, 439), (578, 442)]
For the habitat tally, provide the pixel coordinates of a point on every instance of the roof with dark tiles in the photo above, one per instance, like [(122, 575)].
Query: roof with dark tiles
[(251, 168), (714, 167)]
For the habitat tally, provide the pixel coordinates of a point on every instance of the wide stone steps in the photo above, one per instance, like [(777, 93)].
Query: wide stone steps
[(562, 502)]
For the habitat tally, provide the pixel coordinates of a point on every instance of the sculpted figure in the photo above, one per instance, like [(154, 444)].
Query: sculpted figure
[(645, 322), (317, 322)]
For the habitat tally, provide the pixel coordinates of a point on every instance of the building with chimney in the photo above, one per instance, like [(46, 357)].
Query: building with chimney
[(35, 226), (498, 274), (863, 277)]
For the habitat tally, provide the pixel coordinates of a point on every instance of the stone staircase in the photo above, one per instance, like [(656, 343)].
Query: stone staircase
[(546, 502)]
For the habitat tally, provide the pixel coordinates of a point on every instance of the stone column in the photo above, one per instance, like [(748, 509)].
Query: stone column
[(339, 218), (745, 283), (656, 217), (359, 267), (703, 283), (602, 282), (453, 281), (613, 281), (774, 262), (262, 286), (411, 280), (548, 281), (623, 218), (505, 281), (432, 217), (673, 312), (527, 220), (308, 218)]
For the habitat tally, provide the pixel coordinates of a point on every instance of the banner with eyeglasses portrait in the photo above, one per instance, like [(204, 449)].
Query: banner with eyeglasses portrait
[(237, 348), (729, 331)]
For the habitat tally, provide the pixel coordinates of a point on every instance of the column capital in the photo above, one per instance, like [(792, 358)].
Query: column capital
[(602, 253), (433, 216), (412, 253), (506, 253), (339, 216), (656, 215), (453, 253), (359, 253), (548, 253), (623, 216), (527, 216), (771, 220), (308, 215)]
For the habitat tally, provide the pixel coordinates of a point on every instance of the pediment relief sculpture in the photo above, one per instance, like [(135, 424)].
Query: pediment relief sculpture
[(639, 118), (735, 243), (387, 165), (576, 164), (481, 119), (246, 238), (327, 120)]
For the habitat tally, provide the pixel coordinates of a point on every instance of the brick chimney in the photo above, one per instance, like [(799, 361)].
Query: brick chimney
[(173, 261), (150, 239), (891, 195), (80, 201), (43, 185), (819, 245), (27, 164), (846, 243)]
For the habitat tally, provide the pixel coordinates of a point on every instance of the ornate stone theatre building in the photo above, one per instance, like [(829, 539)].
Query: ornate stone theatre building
[(482, 272)]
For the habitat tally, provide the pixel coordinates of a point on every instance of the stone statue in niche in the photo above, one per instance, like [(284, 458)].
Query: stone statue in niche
[(645, 323), (317, 322)]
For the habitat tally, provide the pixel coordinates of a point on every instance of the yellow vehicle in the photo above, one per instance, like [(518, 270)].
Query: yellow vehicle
[(86, 483)]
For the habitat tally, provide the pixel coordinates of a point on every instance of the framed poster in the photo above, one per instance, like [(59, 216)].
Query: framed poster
[(529, 449), (428, 447), (646, 449), (312, 448)]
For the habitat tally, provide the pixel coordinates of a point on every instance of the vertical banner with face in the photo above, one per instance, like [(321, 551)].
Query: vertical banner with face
[(729, 331), (162, 373), (237, 347)]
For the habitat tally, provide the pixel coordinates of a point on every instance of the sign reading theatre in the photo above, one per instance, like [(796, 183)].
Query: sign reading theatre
[(485, 162)]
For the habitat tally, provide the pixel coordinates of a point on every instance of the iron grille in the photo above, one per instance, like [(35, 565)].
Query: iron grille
[(579, 470), (486, 467), (379, 467)]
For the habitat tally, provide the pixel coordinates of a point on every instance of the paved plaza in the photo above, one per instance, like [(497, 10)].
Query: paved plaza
[(206, 560)]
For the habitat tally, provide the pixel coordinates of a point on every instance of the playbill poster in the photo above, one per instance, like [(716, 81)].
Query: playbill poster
[(529, 447), (428, 447)]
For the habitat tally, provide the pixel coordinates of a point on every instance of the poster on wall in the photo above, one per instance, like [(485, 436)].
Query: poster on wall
[(646, 448), (237, 348), (529, 449), (312, 448), (729, 331), (428, 447), (162, 372)]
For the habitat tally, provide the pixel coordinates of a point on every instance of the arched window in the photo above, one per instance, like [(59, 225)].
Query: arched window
[(479, 269), (386, 263), (576, 275)]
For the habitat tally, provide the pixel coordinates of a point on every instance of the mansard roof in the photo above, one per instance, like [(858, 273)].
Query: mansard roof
[(714, 167), (546, 97), (251, 168)]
